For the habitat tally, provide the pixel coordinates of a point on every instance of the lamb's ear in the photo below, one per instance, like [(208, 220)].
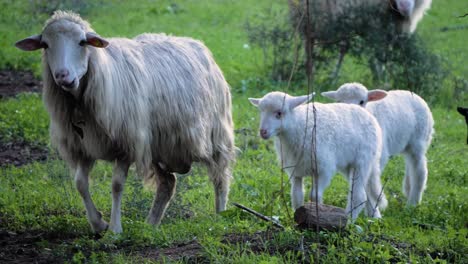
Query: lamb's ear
[(255, 101), (298, 100), (375, 95), (95, 40), (30, 43), (331, 95)]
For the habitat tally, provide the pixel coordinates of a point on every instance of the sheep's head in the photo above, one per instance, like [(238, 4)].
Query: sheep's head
[(65, 40), (405, 7), (275, 107), (355, 93)]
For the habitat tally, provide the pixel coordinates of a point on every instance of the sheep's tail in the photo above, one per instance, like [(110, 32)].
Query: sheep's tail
[(375, 189)]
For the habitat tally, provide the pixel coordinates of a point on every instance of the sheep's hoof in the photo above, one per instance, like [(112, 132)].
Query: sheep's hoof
[(100, 225)]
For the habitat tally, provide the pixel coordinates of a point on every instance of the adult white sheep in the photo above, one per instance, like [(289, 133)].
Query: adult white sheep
[(348, 139), (156, 100), (407, 128)]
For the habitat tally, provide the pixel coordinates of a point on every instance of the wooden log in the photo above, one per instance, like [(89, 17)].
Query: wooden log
[(329, 217)]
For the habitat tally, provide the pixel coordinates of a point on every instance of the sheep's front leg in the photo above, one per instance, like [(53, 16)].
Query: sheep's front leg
[(82, 184), (118, 180), (166, 185), (297, 192)]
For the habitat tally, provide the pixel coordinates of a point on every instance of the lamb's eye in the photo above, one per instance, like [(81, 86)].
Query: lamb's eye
[(361, 102), (82, 43), (279, 114)]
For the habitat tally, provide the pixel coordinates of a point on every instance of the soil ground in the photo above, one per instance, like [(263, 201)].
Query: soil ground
[(19, 153), (13, 82)]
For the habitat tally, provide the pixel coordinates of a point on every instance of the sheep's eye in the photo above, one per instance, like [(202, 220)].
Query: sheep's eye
[(82, 43), (361, 102), (279, 114)]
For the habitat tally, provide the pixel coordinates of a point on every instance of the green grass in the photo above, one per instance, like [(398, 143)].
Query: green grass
[(41, 197)]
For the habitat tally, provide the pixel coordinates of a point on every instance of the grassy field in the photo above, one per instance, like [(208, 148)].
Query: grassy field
[(41, 211)]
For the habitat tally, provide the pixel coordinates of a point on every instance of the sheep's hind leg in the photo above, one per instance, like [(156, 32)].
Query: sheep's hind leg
[(118, 180), (166, 185), (82, 184), (408, 172), (221, 178)]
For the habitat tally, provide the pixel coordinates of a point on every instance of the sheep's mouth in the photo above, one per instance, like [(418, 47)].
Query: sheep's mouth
[(71, 85)]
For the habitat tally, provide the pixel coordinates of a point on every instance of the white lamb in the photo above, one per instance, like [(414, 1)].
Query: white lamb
[(348, 139), (407, 128)]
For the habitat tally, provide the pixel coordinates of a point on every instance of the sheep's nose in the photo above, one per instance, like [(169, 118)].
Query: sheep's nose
[(263, 133), (62, 74)]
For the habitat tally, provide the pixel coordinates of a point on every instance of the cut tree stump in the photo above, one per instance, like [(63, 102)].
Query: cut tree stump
[(330, 217)]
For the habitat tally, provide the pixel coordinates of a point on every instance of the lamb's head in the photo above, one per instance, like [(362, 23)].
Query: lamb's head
[(275, 108), (66, 40), (355, 93)]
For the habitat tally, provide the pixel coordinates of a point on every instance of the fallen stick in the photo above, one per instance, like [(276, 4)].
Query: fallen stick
[(259, 215)]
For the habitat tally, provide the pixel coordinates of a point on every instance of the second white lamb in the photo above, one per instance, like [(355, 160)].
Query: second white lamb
[(347, 139)]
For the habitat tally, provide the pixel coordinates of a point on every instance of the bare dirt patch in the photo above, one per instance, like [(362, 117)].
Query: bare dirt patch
[(20, 153), (13, 82), (24, 247)]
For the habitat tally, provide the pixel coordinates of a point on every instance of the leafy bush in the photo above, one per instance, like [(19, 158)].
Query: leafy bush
[(277, 42)]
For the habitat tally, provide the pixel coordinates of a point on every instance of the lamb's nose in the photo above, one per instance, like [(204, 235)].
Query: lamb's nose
[(263, 133), (61, 74)]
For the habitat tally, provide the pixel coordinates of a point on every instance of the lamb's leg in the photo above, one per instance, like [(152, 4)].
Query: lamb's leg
[(418, 177), (118, 180), (297, 192), (376, 199), (323, 182), (408, 172), (166, 185), (82, 184), (357, 191)]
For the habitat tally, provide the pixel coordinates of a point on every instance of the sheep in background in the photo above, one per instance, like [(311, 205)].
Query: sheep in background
[(409, 12), (348, 139), (407, 128), (405, 14), (158, 101)]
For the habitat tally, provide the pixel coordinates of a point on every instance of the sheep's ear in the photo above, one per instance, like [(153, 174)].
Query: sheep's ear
[(298, 100), (254, 101), (30, 43), (95, 40), (331, 95), (375, 95)]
